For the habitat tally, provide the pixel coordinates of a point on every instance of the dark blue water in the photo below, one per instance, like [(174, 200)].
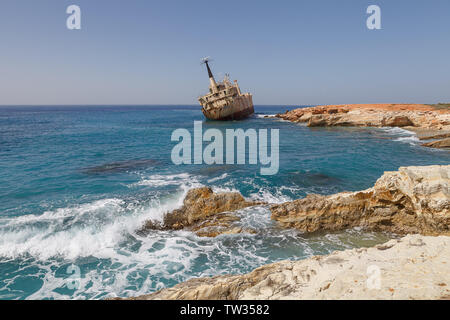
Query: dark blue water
[(76, 183)]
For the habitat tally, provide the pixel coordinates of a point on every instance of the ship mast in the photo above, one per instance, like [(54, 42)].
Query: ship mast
[(212, 81)]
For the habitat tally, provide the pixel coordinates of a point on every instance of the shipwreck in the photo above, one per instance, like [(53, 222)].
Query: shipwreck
[(225, 100)]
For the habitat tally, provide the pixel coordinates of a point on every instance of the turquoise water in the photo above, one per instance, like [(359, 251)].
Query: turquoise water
[(76, 183)]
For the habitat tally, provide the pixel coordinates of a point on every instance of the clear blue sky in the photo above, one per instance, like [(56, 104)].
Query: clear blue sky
[(284, 52)]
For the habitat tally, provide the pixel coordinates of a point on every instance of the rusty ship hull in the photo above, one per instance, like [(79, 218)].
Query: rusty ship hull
[(239, 108)]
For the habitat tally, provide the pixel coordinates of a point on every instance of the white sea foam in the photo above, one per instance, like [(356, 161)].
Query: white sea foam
[(106, 230), (218, 189), (223, 176), (266, 196), (265, 116), (397, 131), (77, 212), (402, 135), (167, 180), (93, 229), (411, 139)]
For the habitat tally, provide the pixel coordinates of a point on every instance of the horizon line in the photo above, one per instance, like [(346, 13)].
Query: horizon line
[(132, 105)]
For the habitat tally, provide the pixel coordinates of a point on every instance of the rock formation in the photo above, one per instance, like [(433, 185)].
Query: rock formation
[(443, 143), (206, 213), (410, 200), (413, 117), (414, 267)]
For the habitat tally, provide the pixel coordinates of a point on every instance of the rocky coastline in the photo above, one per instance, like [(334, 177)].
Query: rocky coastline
[(413, 201), (428, 122), (408, 201), (413, 267)]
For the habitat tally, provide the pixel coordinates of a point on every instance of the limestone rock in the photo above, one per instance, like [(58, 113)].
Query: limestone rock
[(429, 135), (414, 267), (410, 200), (205, 212), (412, 116), (444, 143), (398, 121)]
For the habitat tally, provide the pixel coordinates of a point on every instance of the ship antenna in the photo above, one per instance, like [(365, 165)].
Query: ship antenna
[(212, 81), (205, 61)]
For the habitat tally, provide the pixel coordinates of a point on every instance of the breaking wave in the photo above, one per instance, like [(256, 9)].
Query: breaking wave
[(92, 229), (100, 238), (158, 180), (402, 135), (263, 116)]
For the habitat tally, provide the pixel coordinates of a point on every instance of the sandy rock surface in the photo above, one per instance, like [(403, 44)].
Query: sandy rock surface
[(414, 267)]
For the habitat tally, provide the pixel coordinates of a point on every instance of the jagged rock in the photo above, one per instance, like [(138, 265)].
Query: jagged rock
[(206, 213), (414, 267), (441, 144), (410, 200), (431, 134), (397, 121)]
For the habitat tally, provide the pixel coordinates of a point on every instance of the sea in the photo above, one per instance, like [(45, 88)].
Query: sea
[(77, 182)]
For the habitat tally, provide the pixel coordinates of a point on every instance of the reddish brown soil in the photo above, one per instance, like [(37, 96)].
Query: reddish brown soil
[(386, 107)]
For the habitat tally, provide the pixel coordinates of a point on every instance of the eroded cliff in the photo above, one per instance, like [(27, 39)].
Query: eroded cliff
[(410, 200)]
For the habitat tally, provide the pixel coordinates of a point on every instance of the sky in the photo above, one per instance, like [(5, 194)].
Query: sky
[(283, 52)]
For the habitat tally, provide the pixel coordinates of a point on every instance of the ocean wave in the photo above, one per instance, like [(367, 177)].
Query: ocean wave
[(397, 131), (93, 229), (126, 264), (115, 261), (269, 197), (77, 212), (221, 177), (183, 179), (262, 116), (402, 135), (100, 238), (410, 139)]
